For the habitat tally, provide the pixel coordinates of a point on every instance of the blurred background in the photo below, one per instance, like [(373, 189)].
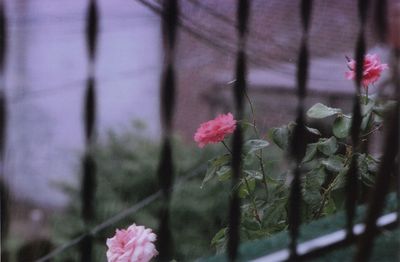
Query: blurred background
[(45, 81)]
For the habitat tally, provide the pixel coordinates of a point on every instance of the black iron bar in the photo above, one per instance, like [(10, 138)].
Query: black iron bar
[(88, 184), (352, 174), (298, 143), (239, 90), (381, 22), (387, 170), (169, 21)]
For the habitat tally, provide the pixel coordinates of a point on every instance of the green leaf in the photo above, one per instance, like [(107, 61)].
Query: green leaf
[(362, 163), (245, 189), (340, 179), (313, 131), (373, 164), (275, 212), (245, 124), (272, 181), (328, 146), (224, 173), (219, 237), (215, 165), (252, 184), (341, 127), (330, 206), (381, 109), (312, 195), (312, 187), (249, 223), (280, 136), (366, 122), (368, 167), (368, 179), (255, 144), (378, 119), (311, 151), (367, 108), (320, 111), (253, 174), (333, 163)]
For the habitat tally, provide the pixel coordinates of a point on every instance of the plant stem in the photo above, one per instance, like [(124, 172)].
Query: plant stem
[(260, 157), (227, 148), (252, 114), (257, 217), (349, 155), (324, 197), (263, 174), (372, 131)]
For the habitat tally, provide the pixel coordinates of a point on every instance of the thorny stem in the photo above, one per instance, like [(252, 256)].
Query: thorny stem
[(349, 155), (324, 197), (259, 157), (253, 115), (256, 216), (372, 131)]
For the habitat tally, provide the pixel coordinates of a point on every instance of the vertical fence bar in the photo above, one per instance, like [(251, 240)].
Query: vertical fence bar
[(88, 186), (4, 195), (381, 22), (239, 90), (165, 171), (298, 143), (388, 168), (352, 174)]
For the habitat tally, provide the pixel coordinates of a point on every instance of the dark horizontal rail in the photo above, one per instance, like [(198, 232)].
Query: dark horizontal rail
[(322, 245), (129, 211)]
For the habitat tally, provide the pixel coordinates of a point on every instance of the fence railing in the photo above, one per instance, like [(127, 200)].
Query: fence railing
[(363, 235)]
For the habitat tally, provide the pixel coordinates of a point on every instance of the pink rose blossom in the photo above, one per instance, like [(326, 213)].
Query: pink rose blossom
[(372, 69), (215, 130), (135, 244)]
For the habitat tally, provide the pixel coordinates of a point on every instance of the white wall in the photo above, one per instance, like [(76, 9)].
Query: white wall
[(46, 69)]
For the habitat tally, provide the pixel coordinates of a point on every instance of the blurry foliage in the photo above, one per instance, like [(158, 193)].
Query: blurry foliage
[(126, 174)]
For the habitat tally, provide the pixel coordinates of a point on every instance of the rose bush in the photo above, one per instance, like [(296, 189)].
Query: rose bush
[(266, 176)]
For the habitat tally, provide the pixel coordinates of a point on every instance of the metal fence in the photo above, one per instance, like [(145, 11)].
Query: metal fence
[(362, 236)]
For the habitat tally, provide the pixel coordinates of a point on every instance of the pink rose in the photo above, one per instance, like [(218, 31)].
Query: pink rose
[(214, 131), (133, 244), (372, 69)]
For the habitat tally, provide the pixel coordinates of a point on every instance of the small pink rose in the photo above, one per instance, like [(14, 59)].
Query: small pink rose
[(372, 69), (215, 130), (134, 244)]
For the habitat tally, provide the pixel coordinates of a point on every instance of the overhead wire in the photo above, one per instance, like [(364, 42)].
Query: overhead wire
[(252, 32), (254, 57)]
